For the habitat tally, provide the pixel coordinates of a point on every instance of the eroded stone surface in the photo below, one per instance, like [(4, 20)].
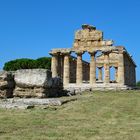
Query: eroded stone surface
[(7, 84), (18, 103), (33, 78), (28, 103), (37, 83)]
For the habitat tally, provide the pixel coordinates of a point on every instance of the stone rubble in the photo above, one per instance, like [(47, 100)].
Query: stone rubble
[(7, 84), (28, 103)]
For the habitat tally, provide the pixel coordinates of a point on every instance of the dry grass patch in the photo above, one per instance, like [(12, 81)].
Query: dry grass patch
[(93, 116)]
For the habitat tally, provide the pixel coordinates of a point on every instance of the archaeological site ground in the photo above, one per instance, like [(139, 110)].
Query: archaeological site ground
[(93, 116)]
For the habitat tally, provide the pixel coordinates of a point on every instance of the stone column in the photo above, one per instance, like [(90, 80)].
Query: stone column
[(106, 68), (116, 74), (59, 65), (79, 70), (99, 73), (66, 74), (62, 66), (54, 65), (92, 68), (121, 68)]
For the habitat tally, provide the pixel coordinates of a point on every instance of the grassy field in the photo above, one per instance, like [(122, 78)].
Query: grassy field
[(93, 116)]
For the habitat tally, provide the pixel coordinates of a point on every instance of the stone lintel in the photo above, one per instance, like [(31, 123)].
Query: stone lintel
[(88, 35), (106, 43), (79, 52), (60, 51), (92, 51)]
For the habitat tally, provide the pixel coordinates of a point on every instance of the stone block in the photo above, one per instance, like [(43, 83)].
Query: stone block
[(37, 83), (33, 78), (7, 84), (93, 35)]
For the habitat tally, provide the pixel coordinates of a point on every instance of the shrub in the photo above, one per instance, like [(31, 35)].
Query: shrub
[(138, 83), (25, 63)]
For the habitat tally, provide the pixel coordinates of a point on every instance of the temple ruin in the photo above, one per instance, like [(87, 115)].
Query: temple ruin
[(79, 74)]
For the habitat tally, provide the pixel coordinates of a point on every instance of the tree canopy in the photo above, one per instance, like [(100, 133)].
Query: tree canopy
[(25, 63), (138, 84)]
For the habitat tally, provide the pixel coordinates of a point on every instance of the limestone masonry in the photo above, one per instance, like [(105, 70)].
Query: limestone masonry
[(30, 83), (81, 75)]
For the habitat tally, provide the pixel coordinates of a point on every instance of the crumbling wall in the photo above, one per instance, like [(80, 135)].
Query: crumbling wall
[(130, 74), (37, 83), (7, 84)]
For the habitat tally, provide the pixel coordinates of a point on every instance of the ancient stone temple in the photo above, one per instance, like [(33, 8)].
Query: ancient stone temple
[(79, 74)]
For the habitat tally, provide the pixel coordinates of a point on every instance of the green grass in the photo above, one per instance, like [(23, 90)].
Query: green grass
[(93, 116)]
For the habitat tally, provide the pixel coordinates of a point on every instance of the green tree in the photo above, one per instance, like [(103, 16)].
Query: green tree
[(43, 62), (25, 63), (138, 84)]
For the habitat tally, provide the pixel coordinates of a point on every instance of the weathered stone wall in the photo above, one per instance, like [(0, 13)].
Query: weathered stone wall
[(130, 73), (7, 84), (37, 83)]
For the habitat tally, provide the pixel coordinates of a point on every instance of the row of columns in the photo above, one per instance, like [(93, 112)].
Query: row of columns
[(100, 75), (119, 74)]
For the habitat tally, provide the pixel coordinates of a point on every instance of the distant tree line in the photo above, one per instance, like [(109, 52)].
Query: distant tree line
[(138, 84), (25, 63)]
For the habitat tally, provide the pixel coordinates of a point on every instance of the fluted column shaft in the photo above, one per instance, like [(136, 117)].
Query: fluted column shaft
[(62, 66), (92, 68), (121, 69), (79, 70), (100, 73), (54, 65), (106, 68), (116, 74), (66, 74)]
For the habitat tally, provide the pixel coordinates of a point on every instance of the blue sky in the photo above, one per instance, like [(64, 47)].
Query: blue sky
[(31, 28)]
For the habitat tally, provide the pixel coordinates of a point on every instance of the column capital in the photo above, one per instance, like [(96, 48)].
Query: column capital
[(66, 53), (54, 54), (92, 52), (79, 52), (106, 52), (100, 67)]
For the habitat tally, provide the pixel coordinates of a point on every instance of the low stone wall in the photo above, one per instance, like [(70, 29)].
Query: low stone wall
[(30, 83), (7, 84), (37, 83)]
